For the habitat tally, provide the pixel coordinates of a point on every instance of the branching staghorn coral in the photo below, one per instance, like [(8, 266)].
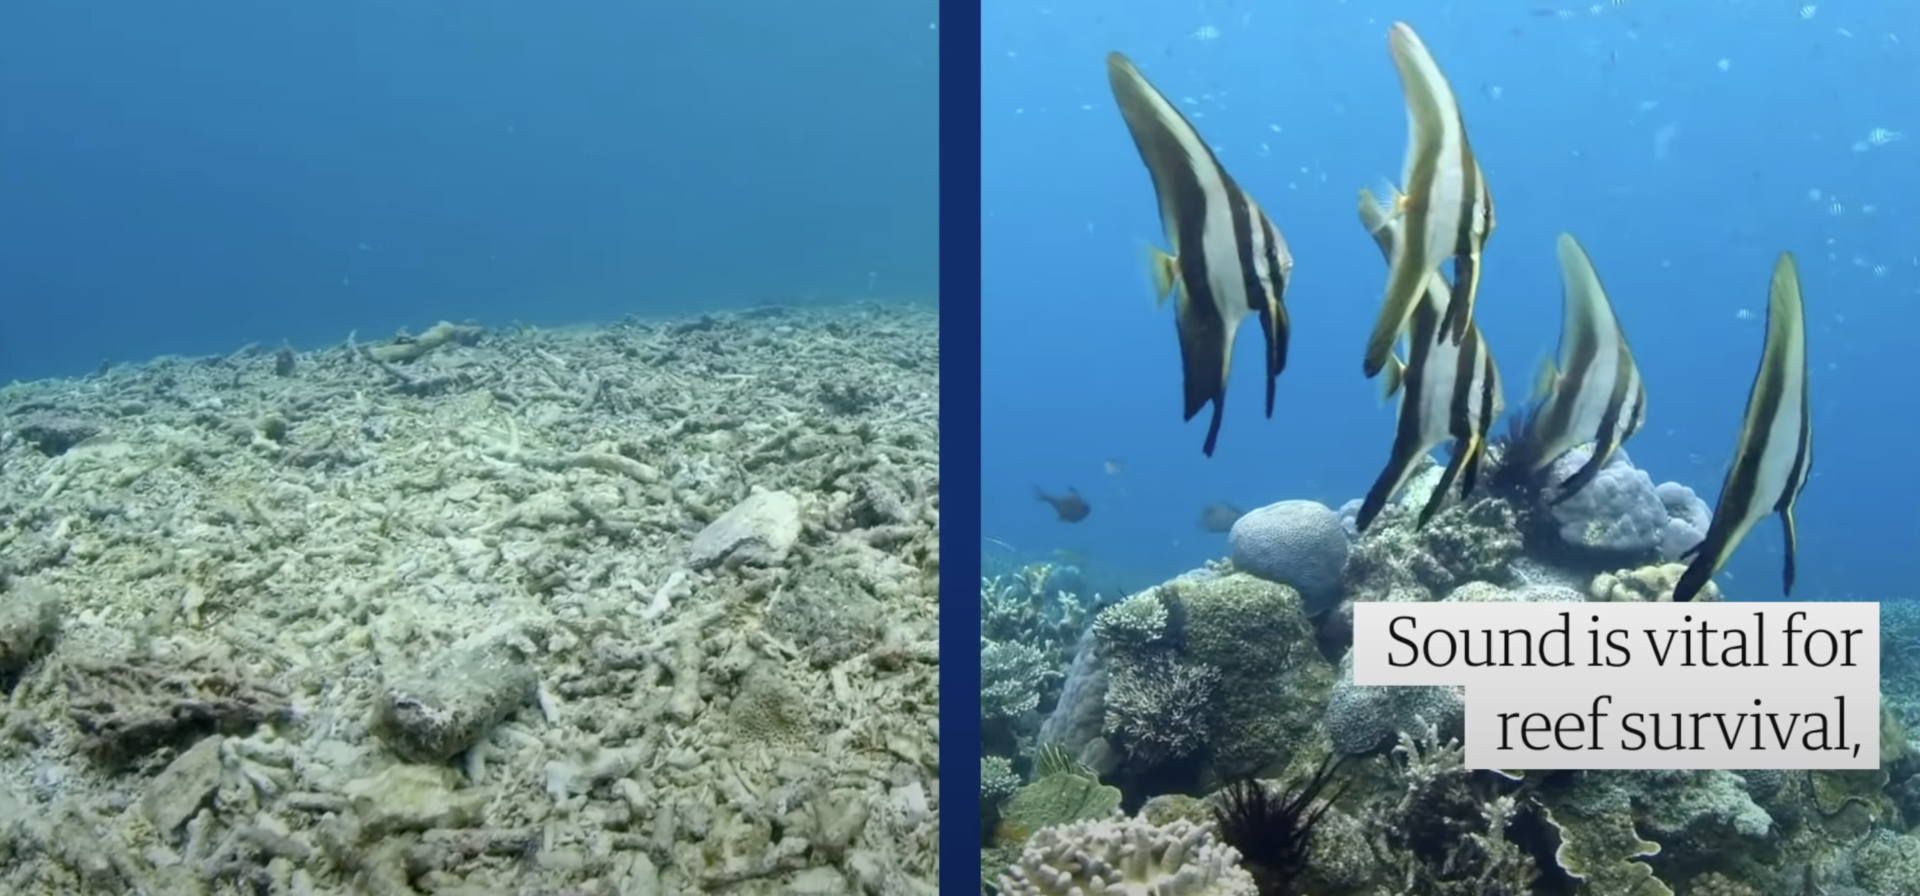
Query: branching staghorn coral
[(1447, 836), (1160, 707), (1132, 624), (1038, 604), (1011, 676)]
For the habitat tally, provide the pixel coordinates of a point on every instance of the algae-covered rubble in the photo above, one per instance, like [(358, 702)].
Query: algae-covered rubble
[(644, 608)]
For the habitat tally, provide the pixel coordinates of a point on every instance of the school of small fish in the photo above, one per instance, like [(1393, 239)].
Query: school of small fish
[(1227, 262)]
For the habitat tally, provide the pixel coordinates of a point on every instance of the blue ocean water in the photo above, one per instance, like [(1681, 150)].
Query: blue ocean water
[(1685, 145), (187, 178)]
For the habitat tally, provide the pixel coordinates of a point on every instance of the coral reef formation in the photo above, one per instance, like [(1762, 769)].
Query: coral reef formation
[(1213, 704), (1011, 674), (1230, 656), (1476, 541)]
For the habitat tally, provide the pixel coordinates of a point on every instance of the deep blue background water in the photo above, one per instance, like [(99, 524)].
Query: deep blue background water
[(186, 178), (1616, 123)]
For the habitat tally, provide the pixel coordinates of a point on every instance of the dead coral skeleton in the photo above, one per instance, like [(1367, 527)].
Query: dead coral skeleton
[(128, 708)]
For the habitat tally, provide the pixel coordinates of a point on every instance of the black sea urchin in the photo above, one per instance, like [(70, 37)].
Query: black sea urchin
[(1273, 827)]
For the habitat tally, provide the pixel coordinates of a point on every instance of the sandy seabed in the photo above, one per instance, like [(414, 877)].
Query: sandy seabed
[(647, 608)]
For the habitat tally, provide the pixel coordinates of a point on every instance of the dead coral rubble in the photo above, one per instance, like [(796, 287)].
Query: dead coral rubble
[(293, 563), (129, 708)]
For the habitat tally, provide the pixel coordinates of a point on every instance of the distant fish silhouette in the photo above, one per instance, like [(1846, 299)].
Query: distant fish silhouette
[(1219, 517), (1069, 508)]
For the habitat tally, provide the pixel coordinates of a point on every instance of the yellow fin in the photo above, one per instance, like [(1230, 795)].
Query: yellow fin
[(1164, 269), (1388, 200), (1395, 374)]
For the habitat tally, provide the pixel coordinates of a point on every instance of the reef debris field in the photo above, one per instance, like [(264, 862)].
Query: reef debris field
[(642, 608)]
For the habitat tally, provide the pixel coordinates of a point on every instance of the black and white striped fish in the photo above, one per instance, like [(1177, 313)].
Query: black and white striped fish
[(1228, 259), (1444, 202), (1594, 394), (1447, 391), (1775, 451)]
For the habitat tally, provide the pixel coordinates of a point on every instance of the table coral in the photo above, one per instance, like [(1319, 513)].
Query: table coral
[(1039, 603), (54, 434)]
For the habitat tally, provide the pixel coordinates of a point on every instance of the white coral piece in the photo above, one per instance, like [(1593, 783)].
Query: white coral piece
[(1124, 856)]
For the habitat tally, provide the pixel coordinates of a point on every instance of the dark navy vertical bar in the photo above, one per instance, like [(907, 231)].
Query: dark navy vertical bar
[(960, 447)]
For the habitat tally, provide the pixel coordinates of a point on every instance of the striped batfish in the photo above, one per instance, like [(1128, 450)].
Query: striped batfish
[(1775, 451), (1228, 259), (1443, 200), (1447, 391), (1595, 393)]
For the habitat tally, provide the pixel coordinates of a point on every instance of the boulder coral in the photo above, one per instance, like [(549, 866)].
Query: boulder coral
[(1081, 710), (1363, 719), (1297, 543), (1272, 678), (1243, 640), (1622, 513)]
